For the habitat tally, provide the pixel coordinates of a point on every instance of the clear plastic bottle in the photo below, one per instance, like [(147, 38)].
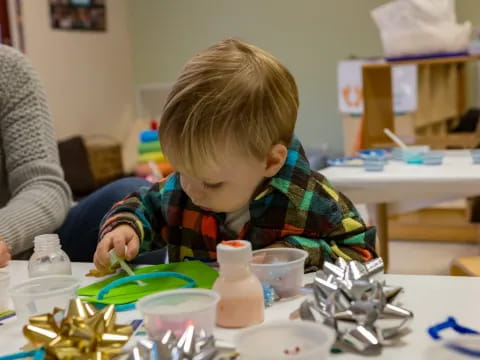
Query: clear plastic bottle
[(241, 294), (48, 257)]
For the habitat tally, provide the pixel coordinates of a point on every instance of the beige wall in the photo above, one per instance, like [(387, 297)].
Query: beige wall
[(470, 10), (88, 76), (309, 36), (90, 81)]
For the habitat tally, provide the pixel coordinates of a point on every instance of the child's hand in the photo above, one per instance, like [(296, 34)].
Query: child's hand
[(123, 239)]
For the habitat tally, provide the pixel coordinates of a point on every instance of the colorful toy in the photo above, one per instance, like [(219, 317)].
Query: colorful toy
[(151, 163)]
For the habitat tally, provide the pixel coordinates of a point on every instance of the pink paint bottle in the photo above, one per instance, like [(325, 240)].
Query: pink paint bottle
[(241, 293)]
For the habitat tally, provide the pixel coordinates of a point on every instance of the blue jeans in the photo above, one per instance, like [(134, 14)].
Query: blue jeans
[(79, 232)]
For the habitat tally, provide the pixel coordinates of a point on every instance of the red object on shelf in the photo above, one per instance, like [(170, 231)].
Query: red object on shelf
[(153, 125)]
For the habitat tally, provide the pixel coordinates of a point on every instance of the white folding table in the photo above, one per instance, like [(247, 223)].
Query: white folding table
[(404, 187)]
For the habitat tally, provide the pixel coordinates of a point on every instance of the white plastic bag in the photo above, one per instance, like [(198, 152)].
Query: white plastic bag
[(420, 27)]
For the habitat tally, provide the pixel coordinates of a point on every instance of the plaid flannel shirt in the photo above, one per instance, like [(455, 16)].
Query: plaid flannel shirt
[(298, 208)]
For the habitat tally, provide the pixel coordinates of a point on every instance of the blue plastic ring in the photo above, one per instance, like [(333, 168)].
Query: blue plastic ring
[(128, 279)]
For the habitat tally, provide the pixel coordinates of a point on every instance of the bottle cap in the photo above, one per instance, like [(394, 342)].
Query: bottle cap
[(46, 241), (234, 252)]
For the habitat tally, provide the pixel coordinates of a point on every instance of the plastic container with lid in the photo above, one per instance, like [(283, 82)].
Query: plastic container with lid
[(412, 154), (433, 157), (299, 340), (42, 294), (176, 309), (48, 257), (241, 294), (281, 268), (374, 163)]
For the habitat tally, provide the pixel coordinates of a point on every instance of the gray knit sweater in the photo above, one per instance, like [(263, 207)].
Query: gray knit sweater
[(34, 198)]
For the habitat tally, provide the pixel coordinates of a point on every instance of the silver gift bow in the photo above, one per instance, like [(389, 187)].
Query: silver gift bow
[(359, 308), (189, 346)]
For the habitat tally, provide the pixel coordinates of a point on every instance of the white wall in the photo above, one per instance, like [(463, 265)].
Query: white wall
[(88, 76), (308, 36)]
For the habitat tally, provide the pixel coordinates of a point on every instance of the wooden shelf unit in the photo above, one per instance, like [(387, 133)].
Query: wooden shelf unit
[(442, 87)]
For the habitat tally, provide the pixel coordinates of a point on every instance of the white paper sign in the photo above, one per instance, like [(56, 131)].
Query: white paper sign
[(350, 84), (405, 88)]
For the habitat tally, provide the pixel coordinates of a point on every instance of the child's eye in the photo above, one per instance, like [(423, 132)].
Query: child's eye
[(213, 186)]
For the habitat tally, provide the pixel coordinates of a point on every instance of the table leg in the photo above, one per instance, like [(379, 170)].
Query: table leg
[(381, 222)]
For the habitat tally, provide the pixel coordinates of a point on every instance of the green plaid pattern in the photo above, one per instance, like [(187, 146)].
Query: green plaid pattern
[(298, 208)]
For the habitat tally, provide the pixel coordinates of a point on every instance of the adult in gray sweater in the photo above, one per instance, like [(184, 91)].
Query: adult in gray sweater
[(34, 198)]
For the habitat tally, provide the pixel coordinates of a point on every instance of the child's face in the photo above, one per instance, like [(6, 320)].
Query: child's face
[(231, 184)]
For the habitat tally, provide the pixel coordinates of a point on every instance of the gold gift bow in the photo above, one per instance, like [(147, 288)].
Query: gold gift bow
[(83, 333)]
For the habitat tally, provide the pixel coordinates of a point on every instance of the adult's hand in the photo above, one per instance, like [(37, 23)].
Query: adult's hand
[(5, 256)]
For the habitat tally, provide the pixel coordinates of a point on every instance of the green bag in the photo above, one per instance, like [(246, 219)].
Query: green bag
[(203, 275)]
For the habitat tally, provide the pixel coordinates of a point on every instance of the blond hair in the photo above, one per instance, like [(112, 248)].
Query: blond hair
[(231, 93)]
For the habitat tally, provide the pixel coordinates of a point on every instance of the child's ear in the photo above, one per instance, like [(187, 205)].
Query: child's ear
[(275, 160)]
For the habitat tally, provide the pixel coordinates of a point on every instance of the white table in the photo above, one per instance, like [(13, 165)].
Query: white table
[(431, 298), (403, 187)]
